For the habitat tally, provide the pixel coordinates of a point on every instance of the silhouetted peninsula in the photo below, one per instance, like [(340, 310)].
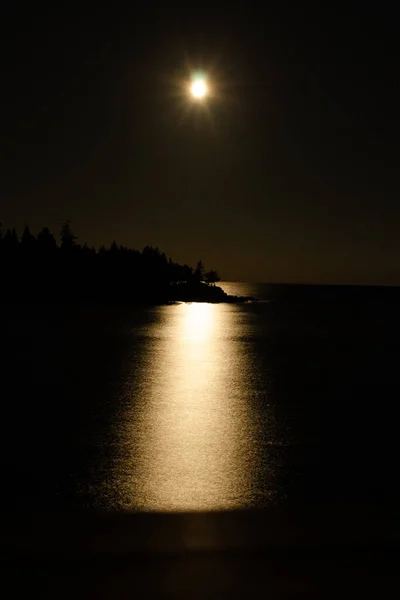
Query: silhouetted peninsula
[(37, 269)]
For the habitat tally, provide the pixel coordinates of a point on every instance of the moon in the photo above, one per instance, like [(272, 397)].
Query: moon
[(198, 88)]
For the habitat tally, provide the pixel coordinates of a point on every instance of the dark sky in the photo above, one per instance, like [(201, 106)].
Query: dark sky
[(289, 173)]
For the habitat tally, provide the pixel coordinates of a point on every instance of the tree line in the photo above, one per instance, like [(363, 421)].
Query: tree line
[(35, 267)]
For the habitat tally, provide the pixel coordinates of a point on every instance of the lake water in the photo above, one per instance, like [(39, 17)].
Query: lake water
[(201, 406)]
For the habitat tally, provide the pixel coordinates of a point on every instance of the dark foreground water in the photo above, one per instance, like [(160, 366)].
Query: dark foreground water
[(203, 407)]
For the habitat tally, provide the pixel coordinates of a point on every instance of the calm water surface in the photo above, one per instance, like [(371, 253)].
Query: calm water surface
[(200, 406)]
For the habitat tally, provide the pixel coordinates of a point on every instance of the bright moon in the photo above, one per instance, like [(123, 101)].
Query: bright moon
[(199, 88)]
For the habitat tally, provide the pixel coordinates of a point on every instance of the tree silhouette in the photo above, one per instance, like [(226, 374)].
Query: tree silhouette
[(46, 240), (10, 240), (28, 241), (199, 271), (212, 277), (68, 239)]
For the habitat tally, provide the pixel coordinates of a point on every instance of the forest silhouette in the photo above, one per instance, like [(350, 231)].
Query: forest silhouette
[(36, 268)]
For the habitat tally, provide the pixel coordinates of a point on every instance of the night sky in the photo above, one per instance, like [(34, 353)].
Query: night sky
[(289, 173)]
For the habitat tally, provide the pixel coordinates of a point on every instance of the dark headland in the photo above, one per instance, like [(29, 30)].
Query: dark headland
[(203, 292), (35, 268)]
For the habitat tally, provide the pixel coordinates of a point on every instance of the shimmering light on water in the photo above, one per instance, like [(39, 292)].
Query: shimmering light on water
[(188, 432), (198, 321)]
